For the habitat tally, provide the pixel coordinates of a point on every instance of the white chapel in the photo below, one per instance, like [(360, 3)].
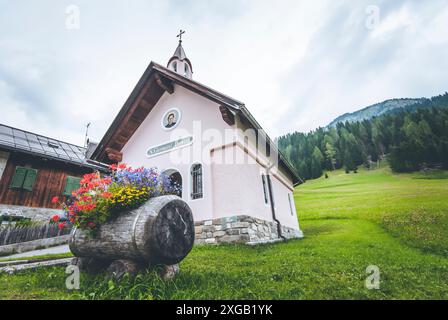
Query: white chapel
[(237, 183)]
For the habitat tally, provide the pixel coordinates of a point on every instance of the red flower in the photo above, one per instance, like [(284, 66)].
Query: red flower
[(55, 218), (106, 194), (55, 200), (61, 225), (122, 166), (106, 180), (113, 167)]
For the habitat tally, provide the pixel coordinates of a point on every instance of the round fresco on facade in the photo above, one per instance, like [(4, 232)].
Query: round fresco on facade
[(171, 119)]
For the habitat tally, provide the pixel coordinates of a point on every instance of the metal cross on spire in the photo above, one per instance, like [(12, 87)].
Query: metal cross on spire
[(181, 32)]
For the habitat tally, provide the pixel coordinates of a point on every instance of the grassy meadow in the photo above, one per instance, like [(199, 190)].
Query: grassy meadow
[(398, 222)]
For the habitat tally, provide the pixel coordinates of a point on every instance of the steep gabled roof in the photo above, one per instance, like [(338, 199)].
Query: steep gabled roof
[(198, 87), (155, 81), (13, 139)]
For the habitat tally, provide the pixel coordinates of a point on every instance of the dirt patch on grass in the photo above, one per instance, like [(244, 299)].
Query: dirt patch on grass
[(319, 229)]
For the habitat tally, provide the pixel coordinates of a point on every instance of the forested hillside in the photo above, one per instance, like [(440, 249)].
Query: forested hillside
[(412, 138), (378, 109)]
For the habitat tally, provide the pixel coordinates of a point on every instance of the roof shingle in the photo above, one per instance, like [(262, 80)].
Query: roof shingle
[(19, 140)]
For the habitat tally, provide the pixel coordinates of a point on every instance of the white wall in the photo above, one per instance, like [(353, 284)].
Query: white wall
[(238, 190), (150, 133), (229, 189), (282, 208)]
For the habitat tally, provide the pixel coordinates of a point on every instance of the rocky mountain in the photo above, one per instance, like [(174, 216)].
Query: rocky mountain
[(378, 109)]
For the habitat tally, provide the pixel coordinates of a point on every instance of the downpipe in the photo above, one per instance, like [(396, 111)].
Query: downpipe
[(271, 199)]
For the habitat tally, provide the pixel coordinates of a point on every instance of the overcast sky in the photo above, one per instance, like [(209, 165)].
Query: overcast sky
[(296, 64)]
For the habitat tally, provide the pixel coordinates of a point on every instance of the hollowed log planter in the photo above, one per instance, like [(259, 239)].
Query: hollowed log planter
[(159, 232)]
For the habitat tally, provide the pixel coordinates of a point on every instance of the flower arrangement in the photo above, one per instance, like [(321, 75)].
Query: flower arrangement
[(100, 199)]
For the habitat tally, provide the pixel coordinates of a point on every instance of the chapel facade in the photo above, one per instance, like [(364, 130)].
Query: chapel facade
[(231, 174)]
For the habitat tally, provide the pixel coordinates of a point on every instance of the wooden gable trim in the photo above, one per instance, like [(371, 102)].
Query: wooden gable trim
[(227, 115), (198, 88), (165, 84), (148, 97), (114, 155)]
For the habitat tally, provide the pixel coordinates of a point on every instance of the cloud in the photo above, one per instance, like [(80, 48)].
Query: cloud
[(296, 64), (349, 66)]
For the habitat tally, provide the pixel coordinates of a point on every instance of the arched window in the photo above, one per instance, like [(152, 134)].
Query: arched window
[(175, 181), (186, 70), (196, 181)]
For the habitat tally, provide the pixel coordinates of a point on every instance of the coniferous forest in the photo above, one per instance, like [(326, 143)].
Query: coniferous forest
[(411, 139)]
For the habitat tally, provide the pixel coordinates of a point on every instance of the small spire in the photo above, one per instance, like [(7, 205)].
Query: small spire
[(179, 62)]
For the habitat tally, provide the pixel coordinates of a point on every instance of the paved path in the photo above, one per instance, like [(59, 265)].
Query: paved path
[(19, 267), (53, 250)]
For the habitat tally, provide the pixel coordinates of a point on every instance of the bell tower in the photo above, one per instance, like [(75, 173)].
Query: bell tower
[(179, 62)]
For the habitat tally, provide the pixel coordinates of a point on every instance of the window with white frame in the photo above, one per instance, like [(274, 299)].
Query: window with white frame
[(196, 181)]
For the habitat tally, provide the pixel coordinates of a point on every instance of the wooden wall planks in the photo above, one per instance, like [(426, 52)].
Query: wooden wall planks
[(50, 181)]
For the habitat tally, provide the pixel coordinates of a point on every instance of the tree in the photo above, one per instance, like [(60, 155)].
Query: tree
[(349, 164), (410, 138), (316, 169), (317, 155), (377, 138), (304, 170), (330, 153)]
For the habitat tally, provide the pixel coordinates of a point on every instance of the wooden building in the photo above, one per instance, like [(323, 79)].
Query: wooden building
[(34, 169)]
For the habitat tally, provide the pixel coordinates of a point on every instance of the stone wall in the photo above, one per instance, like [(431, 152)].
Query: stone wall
[(35, 214), (3, 160), (240, 229)]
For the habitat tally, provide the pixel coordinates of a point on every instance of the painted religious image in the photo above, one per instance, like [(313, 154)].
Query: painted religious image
[(171, 118)]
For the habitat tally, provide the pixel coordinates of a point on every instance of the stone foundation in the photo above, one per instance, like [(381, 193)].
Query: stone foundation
[(35, 214), (240, 229)]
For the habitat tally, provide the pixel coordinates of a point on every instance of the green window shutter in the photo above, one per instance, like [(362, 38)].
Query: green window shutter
[(18, 178), (30, 178), (71, 184)]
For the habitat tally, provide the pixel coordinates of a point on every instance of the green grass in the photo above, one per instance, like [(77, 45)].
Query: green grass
[(411, 207), (396, 222)]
